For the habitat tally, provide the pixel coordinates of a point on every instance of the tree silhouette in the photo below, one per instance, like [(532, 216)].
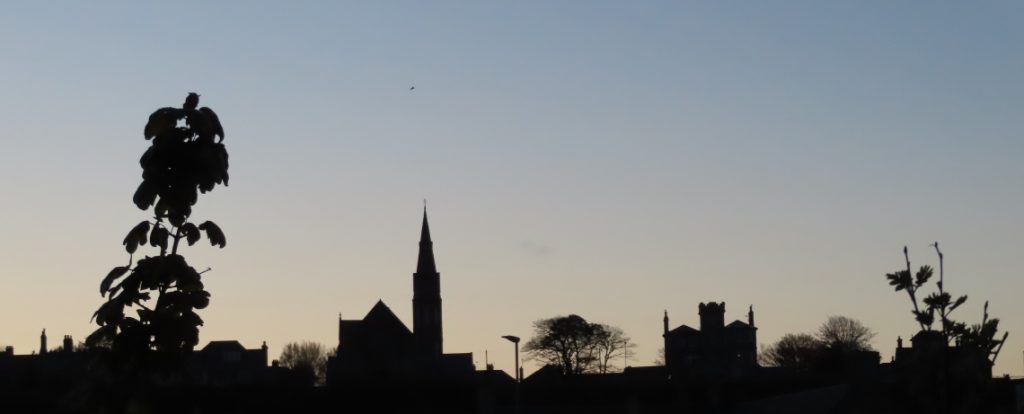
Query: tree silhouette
[(844, 334), (307, 359), (575, 345), (611, 345), (792, 351), (182, 161), (805, 350)]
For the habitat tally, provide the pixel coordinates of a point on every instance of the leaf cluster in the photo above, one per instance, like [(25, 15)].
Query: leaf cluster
[(182, 162), (171, 324)]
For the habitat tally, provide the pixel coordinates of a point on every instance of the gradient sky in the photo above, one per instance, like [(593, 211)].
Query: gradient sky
[(601, 158)]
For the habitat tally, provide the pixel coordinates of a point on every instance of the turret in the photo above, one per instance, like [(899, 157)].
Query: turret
[(712, 316), (42, 343)]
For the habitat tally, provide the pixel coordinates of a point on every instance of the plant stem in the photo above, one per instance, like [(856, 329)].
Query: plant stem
[(177, 238), (942, 287), (911, 289)]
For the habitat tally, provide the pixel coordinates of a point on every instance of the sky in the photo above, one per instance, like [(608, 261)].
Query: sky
[(606, 159)]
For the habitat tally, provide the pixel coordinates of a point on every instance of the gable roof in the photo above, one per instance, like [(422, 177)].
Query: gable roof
[(683, 330), (381, 317), (223, 346), (379, 324), (737, 324)]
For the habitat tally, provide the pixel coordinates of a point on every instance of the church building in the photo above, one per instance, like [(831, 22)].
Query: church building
[(380, 347)]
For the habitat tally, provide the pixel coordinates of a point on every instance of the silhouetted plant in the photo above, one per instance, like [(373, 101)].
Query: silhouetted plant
[(183, 160), (980, 336), (575, 345)]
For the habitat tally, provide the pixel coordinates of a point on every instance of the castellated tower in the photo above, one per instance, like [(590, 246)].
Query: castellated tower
[(712, 316)]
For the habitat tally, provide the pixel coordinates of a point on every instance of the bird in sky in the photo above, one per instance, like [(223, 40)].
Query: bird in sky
[(412, 87)]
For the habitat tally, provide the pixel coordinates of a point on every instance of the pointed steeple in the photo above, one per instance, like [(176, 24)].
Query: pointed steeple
[(425, 263), (426, 297)]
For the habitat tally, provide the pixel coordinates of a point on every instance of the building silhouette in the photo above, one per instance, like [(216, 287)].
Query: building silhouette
[(715, 348), (380, 347)]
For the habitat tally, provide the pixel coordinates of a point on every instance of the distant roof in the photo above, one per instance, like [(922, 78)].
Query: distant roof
[(683, 329), (496, 375), (382, 315), (658, 371), (223, 346), (380, 320), (737, 324), (547, 371)]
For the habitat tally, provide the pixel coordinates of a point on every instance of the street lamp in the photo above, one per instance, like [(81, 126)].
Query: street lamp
[(515, 340)]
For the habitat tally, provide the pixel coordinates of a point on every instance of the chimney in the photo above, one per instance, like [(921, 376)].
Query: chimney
[(42, 343), (69, 345)]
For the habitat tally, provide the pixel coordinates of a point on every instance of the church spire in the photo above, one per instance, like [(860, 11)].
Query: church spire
[(425, 263), (426, 297)]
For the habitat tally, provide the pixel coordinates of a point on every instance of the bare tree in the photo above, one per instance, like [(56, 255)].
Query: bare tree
[(791, 351), (843, 333), (660, 359), (611, 345), (308, 359)]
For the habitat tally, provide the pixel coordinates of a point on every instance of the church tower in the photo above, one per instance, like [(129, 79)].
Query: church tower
[(426, 297)]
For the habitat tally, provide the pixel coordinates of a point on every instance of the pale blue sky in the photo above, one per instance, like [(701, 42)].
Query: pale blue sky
[(598, 158)]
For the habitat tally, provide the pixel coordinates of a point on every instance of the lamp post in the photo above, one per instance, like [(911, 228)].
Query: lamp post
[(515, 340)]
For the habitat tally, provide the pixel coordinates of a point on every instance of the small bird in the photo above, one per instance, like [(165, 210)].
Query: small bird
[(192, 101), (412, 87)]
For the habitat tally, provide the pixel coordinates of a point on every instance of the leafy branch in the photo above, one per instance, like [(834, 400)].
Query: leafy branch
[(979, 336), (181, 162)]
